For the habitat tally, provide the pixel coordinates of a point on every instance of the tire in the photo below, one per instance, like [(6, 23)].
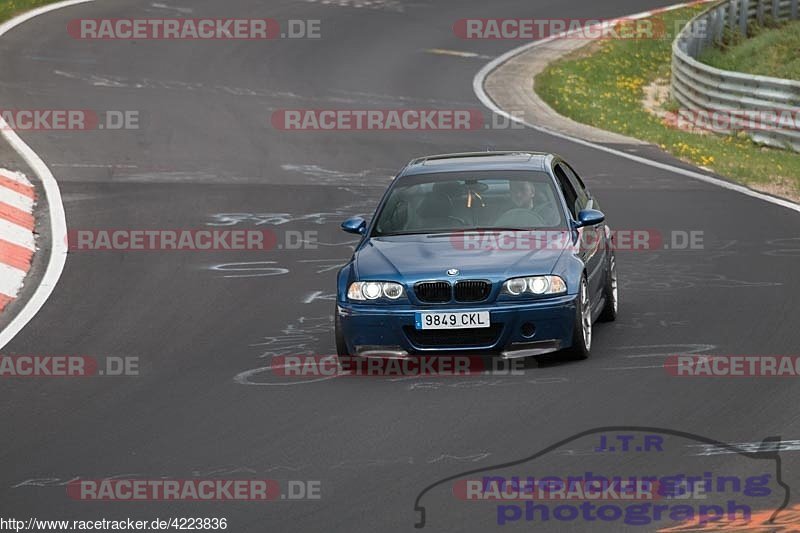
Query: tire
[(582, 331), (611, 293), (341, 346)]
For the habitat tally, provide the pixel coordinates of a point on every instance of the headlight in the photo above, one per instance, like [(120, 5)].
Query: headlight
[(535, 285), (372, 290), (538, 285), (516, 286), (393, 291)]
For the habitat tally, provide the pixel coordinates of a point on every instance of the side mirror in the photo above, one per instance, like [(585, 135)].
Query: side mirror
[(355, 225), (590, 217)]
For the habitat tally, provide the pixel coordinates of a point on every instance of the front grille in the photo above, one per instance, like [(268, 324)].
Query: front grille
[(472, 290), (433, 291), (457, 338)]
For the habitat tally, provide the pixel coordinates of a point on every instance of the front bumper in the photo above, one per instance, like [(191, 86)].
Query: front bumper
[(517, 329)]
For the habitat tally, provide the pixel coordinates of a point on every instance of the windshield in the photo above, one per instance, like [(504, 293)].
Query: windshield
[(441, 203)]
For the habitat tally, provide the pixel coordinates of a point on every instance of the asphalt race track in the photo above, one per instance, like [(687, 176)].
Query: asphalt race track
[(203, 323)]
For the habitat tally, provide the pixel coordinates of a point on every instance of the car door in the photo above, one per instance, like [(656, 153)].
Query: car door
[(591, 249)]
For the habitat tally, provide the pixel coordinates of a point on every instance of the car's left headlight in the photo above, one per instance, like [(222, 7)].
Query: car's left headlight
[(538, 285), (373, 290)]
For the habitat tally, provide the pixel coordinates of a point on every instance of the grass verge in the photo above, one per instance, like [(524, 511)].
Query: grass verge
[(10, 8), (604, 85), (768, 51)]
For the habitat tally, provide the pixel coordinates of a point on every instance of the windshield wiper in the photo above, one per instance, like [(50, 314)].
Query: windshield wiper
[(417, 232), (448, 232), (499, 229), (476, 230)]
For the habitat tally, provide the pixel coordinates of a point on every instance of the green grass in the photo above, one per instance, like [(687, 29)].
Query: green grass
[(768, 52), (602, 85), (9, 8)]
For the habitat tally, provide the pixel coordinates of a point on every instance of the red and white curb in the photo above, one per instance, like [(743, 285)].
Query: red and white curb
[(55, 208), (17, 243)]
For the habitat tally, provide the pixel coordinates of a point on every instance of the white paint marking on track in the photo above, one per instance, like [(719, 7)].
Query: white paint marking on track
[(455, 53), (185, 10), (480, 78), (750, 447), (615, 368), (58, 223), (243, 378)]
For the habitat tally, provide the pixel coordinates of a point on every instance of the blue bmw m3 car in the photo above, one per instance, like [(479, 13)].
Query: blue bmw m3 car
[(496, 253)]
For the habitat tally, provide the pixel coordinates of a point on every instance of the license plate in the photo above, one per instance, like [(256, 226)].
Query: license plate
[(471, 319)]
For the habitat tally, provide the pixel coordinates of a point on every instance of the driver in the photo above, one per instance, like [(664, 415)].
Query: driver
[(521, 212), (522, 194)]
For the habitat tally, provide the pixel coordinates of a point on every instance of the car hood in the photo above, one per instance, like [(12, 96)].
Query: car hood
[(418, 257)]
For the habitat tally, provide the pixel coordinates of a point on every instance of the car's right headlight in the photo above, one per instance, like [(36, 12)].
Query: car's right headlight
[(538, 285), (373, 290)]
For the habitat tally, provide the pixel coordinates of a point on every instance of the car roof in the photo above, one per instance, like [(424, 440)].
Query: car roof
[(476, 161)]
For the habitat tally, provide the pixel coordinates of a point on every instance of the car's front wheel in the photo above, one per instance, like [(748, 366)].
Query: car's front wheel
[(582, 332), (611, 293)]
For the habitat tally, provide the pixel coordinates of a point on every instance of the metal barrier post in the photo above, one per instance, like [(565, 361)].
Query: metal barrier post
[(743, 9)]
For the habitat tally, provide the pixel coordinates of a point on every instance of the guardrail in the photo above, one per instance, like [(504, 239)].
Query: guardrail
[(709, 92)]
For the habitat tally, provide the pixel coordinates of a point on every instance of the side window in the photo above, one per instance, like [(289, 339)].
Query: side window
[(580, 188), (567, 190)]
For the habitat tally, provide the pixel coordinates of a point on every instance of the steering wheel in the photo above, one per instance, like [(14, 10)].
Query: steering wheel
[(520, 217), (460, 221), (549, 215)]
